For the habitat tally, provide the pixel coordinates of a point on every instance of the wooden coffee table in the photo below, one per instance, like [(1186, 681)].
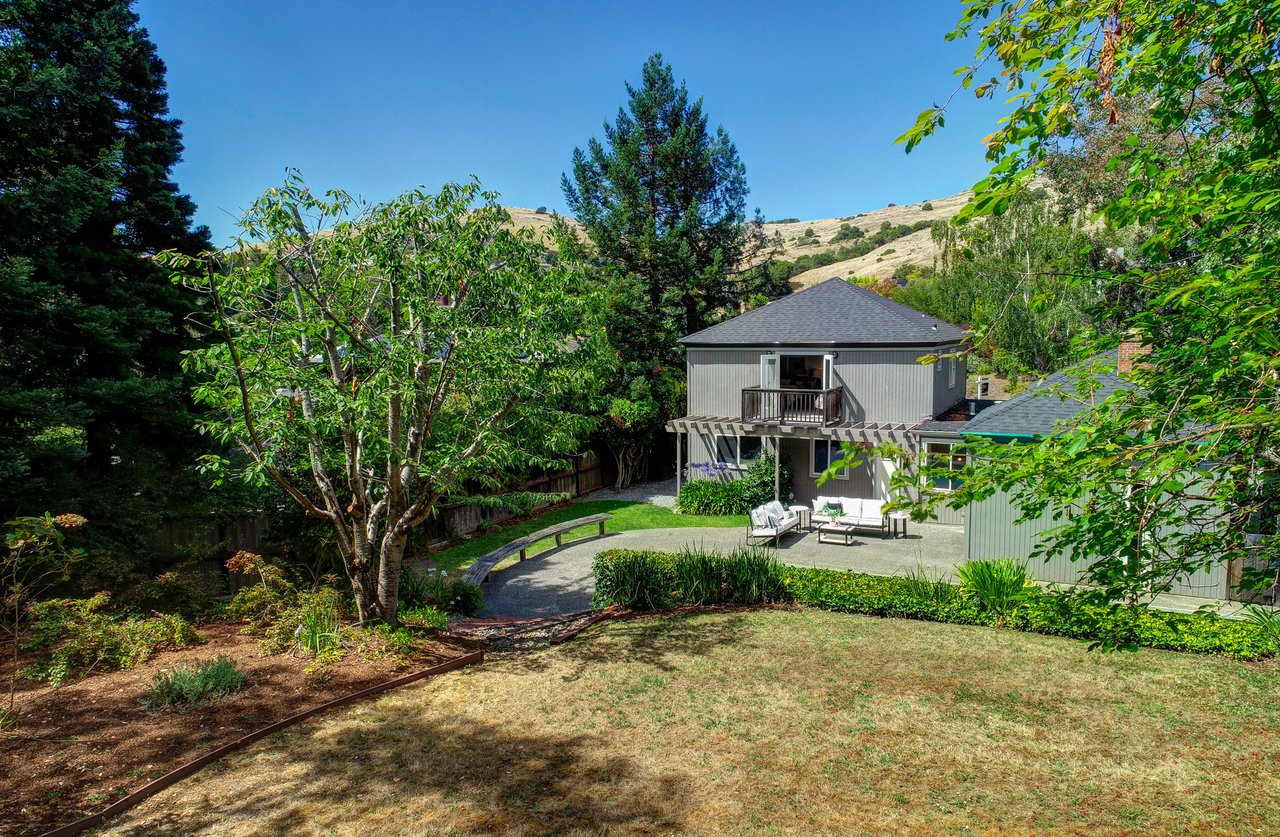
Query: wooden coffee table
[(832, 531)]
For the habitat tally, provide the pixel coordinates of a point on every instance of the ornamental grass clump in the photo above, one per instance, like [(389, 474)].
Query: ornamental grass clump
[(187, 687), (929, 585), (998, 585), (653, 580)]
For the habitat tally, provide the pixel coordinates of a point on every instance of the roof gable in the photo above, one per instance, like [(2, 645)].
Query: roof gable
[(833, 313)]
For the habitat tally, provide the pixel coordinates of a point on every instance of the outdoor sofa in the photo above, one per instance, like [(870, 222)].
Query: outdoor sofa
[(771, 521), (860, 512)]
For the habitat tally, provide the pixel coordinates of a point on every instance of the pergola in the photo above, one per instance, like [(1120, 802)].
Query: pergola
[(869, 433)]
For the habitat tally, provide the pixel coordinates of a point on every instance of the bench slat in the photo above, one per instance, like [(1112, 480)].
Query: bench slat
[(480, 570)]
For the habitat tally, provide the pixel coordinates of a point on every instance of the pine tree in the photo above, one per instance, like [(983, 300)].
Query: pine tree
[(93, 411), (663, 200)]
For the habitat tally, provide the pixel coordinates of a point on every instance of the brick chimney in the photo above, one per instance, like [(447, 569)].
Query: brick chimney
[(1131, 349)]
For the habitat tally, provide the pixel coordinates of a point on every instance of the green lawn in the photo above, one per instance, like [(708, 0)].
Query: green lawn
[(765, 722), (627, 516)]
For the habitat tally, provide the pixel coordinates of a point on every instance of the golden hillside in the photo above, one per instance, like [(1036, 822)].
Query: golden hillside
[(917, 247)]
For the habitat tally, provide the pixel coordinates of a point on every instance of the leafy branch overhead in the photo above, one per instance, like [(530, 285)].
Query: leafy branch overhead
[(375, 359), (1178, 471)]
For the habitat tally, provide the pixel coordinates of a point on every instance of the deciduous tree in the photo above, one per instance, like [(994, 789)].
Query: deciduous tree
[(374, 359), (1181, 471)]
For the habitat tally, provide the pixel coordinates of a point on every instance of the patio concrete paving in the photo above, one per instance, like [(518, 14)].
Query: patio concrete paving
[(560, 580)]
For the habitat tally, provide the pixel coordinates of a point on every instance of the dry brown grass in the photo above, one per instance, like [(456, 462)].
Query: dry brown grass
[(773, 722)]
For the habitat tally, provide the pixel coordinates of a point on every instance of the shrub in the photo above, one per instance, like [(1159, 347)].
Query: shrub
[(184, 590), (997, 585), (542, 210), (1056, 613), (757, 482), (926, 207), (466, 598), (266, 600), (634, 578), (712, 497), (188, 687), (652, 580), (1267, 619), (435, 588), (84, 638), (313, 625), (848, 232)]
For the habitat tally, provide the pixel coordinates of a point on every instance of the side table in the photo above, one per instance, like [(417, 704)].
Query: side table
[(898, 520), (804, 513)]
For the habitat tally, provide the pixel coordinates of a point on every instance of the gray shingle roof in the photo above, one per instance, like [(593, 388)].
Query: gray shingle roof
[(1036, 411), (834, 313)]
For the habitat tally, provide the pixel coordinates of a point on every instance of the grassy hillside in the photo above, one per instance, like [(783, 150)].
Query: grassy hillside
[(882, 262)]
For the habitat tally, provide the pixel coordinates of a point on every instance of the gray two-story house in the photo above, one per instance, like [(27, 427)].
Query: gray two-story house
[(834, 363)]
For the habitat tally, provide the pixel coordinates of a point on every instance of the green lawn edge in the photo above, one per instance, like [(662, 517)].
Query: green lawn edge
[(628, 516)]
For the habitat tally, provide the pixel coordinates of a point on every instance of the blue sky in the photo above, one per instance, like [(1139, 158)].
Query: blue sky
[(377, 97)]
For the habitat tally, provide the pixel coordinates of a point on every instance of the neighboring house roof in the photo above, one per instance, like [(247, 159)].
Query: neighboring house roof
[(1036, 411), (834, 313)]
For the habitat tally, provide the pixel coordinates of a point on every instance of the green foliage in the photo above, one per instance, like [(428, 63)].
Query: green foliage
[(1177, 107), (738, 496), (848, 232), (79, 637), (92, 412), (997, 585), (424, 616), (663, 200), (1267, 619), (435, 588), (426, 347), (268, 598), (187, 687), (1054, 613), (646, 580), (929, 585), (313, 625), (927, 206), (713, 497)]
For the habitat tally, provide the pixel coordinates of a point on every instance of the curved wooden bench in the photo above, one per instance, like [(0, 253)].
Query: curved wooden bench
[(479, 571)]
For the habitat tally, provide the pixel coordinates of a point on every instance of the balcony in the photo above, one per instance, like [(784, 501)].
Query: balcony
[(805, 407)]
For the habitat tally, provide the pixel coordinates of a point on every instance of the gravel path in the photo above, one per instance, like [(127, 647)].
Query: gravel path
[(660, 493)]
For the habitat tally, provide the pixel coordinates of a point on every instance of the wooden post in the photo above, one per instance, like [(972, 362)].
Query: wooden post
[(679, 465), (777, 470)]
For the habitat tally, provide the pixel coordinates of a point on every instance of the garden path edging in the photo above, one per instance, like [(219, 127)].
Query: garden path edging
[(194, 766)]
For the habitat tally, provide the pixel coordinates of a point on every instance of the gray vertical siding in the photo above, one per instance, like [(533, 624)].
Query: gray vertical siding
[(945, 397), (879, 385), (991, 533), (717, 378), (885, 385)]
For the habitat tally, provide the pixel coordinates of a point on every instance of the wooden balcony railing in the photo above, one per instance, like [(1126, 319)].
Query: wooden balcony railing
[(810, 407)]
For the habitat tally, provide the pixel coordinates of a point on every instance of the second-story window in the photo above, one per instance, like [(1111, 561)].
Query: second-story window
[(735, 451)]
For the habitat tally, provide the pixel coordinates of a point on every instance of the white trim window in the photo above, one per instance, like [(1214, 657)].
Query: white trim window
[(822, 454), (951, 373), (735, 452), (945, 456)]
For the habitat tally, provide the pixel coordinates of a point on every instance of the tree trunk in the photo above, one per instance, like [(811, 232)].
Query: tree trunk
[(389, 566), (633, 464)]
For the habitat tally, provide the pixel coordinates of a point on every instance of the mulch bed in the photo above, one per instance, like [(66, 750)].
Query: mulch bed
[(80, 746)]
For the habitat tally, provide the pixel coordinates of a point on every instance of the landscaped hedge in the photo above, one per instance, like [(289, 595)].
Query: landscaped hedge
[(650, 580), (737, 496), (1055, 613)]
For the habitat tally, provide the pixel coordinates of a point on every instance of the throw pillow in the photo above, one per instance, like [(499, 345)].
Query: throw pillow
[(831, 510), (773, 522)]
